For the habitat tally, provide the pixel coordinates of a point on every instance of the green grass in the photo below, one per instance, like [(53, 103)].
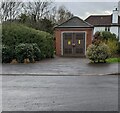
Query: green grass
[(113, 60)]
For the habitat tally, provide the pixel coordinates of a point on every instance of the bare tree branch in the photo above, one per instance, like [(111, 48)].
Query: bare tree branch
[(10, 10)]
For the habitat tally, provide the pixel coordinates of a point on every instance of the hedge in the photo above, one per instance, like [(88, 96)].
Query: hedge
[(7, 54), (14, 34)]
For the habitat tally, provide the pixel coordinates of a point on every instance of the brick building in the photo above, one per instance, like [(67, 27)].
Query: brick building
[(73, 37)]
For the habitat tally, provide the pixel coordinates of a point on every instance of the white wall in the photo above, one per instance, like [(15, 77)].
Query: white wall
[(98, 29), (114, 30)]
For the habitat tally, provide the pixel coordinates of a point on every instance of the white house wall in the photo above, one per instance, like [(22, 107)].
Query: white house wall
[(114, 30), (98, 29)]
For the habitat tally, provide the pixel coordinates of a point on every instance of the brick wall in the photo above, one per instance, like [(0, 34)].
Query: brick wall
[(58, 31)]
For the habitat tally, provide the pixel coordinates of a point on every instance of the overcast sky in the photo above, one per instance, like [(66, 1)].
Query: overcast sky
[(85, 9)]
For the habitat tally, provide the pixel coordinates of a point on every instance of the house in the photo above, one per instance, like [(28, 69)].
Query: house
[(106, 22), (73, 37)]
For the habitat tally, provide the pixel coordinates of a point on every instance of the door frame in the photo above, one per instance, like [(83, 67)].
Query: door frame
[(71, 32)]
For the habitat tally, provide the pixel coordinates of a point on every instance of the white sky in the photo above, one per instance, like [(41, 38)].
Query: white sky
[(85, 9)]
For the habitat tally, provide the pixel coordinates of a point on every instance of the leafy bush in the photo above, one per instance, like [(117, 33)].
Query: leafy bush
[(14, 34), (105, 35), (113, 46), (36, 52), (24, 51), (109, 39), (27, 51), (98, 53), (7, 54)]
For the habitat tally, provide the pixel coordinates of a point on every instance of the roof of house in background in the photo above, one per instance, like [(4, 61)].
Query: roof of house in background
[(101, 20), (74, 22)]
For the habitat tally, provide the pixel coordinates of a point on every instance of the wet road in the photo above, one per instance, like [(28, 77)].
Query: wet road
[(60, 66), (60, 93)]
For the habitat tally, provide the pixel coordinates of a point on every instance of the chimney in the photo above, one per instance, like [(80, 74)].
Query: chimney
[(115, 16)]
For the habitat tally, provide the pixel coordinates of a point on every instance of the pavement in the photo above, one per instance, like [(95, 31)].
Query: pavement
[(61, 66), (60, 93)]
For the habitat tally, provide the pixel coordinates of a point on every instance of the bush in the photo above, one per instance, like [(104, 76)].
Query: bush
[(7, 54), (109, 39), (14, 34), (113, 46), (24, 51), (36, 52), (27, 51), (105, 35), (98, 53)]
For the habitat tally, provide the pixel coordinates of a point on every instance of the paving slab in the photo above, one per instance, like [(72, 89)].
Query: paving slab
[(61, 66)]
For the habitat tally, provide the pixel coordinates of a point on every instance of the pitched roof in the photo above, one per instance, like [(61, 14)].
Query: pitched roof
[(74, 22), (98, 20)]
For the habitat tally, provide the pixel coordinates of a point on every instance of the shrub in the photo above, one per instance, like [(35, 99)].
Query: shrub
[(24, 51), (14, 34), (98, 53), (109, 39), (105, 35), (113, 46), (36, 52), (7, 54), (27, 51)]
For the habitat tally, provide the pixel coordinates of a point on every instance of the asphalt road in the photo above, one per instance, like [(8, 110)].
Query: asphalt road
[(60, 66), (60, 93)]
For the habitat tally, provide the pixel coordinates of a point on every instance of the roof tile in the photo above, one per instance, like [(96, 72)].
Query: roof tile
[(97, 20)]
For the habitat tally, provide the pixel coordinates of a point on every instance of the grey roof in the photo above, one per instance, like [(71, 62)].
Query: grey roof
[(74, 22)]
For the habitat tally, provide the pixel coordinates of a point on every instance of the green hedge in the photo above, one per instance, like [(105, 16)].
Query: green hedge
[(14, 34), (7, 54)]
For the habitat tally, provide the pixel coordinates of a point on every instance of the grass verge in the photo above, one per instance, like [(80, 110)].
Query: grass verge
[(113, 60)]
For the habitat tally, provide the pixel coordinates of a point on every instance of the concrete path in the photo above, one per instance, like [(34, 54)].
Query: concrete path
[(60, 93), (61, 66)]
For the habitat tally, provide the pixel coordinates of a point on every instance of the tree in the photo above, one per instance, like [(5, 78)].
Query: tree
[(37, 9), (63, 14), (10, 10)]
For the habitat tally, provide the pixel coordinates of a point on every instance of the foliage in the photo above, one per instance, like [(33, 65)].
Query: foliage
[(36, 52), (14, 34), (63, 14), (24, 51), (108, 38), (113, 60), (105, 35), (98, 53), (7, 54), (113, 46), (30, 51)]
